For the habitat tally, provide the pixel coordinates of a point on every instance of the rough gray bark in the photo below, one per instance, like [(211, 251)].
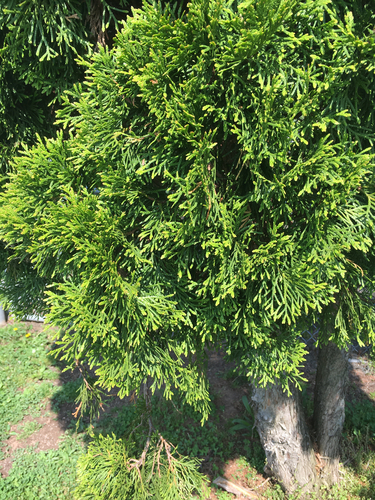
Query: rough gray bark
[(329, 409), (280, 422)]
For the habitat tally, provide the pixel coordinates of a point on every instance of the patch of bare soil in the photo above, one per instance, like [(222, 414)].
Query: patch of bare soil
[(361, 378), (240, 476), (35, 326), (47, 437)]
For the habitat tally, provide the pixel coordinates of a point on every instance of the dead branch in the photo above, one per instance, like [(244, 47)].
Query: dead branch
[(75, 414), (196, 187), (138, 463)]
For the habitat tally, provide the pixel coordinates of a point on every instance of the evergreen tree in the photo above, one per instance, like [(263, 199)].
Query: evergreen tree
[(213, 181), (39, 44)]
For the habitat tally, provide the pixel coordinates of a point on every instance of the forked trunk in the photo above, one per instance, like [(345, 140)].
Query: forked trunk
[(329, 408), (280, 422)]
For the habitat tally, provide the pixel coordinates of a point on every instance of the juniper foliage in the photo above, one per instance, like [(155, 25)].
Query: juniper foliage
[(217, 185), (36, 32), (109, 471), (39, 41)]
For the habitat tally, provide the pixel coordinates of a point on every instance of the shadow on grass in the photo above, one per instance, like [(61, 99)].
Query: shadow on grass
[(358, 442), (64, 403), (357, 453), (214, 443), (238, 456)]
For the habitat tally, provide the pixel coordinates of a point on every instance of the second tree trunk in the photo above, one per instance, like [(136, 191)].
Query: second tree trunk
[(329, 409)]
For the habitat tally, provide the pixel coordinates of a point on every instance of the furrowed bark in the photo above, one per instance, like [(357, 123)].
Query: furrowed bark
[(95, 19), (329, 408), (280, 422)]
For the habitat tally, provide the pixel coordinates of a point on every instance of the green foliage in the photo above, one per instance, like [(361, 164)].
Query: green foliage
[(254, 452), (23, 359), (211, 183), (68, 393), (27, 429), (23, 113), (21, 289), (116, 421), (247, 423), (39, 44), (223, 495), (36, 33), (108, 471), (52, 474), (42, 476), (255, 455), (276, 493)]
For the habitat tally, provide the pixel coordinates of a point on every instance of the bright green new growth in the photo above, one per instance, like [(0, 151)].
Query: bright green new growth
[(39, 41), (215, 186), (107, 471)]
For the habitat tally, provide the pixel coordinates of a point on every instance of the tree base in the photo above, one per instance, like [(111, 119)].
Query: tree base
[(285, 438), (329, 409)]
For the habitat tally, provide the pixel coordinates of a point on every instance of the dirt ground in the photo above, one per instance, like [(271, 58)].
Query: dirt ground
[(228, 397)]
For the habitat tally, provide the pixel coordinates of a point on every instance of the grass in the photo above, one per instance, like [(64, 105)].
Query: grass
[(28, 385), (27, 430), (25, 378), (45, 475)]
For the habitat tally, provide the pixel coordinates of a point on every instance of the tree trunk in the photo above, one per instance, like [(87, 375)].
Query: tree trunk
[(280, 422), (2, 316), (96, 22), (329, 408)]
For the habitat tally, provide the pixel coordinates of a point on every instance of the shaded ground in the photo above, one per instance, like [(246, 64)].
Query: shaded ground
[(48, 429)]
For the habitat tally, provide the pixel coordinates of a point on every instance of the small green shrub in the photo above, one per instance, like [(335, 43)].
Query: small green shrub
[(246, 423), (109, 471)]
